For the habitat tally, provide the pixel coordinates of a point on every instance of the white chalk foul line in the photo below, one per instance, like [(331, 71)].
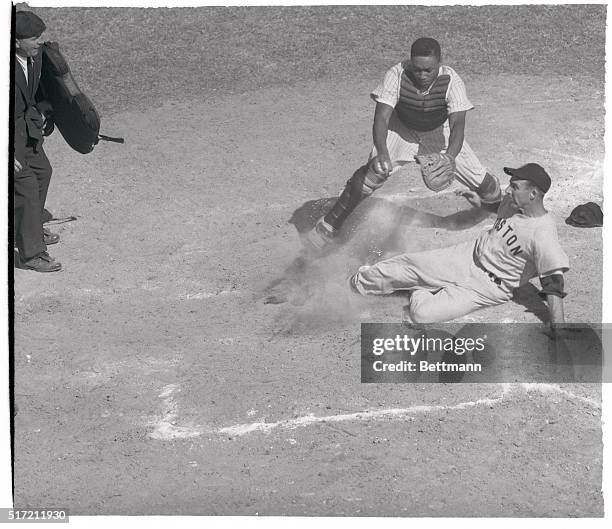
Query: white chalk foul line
[(546, 101), (166, 428), (414, 193), (542, 101), (558, 154), (554, 388), (206, 295), (242, 429)]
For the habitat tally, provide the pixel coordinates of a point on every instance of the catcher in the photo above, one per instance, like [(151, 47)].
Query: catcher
[(420, 114)]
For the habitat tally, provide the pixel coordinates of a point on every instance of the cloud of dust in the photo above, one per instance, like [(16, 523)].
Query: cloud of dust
[(317, 291)]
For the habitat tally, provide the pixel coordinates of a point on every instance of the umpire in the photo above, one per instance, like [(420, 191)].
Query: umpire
[(32, 168)]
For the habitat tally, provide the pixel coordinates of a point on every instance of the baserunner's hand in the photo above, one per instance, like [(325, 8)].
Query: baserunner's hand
[(471, 196)]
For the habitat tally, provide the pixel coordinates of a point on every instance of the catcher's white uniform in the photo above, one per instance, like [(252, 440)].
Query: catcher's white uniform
[(404, 143), (450, 282), (416, 122)]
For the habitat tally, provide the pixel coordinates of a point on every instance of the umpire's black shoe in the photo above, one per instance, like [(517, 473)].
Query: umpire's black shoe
[(50, 238), (42, 262)]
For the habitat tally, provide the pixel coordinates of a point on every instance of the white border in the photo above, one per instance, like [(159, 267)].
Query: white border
[(104, 521)]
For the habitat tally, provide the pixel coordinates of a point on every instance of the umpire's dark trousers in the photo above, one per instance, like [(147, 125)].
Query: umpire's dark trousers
[(30, 187)]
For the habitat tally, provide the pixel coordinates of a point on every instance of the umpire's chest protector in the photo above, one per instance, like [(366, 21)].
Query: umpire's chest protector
[(426, 111), (73, 112)]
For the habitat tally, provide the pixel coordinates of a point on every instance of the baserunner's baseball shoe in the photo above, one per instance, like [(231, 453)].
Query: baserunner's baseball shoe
[(320, 239)]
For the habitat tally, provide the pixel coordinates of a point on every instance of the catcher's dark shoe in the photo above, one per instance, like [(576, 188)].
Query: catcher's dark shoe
[(50, 237), (320, 239), (42, 262)]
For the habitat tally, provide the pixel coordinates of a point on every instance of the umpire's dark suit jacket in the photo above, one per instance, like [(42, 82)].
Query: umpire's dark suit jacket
[(28, 121), (30, 185)]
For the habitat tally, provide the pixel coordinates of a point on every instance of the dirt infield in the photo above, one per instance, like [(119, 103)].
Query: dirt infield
[(152, 379)]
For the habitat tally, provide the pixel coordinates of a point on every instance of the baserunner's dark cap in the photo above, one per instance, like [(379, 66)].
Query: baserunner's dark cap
[(28, 25), (533, 172)]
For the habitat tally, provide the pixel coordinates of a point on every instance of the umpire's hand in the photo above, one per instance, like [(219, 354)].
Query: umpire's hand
[(48, 125)]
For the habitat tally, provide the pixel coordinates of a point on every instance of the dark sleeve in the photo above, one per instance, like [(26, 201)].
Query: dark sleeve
[(490, 207), (552, 286), (40, 98)]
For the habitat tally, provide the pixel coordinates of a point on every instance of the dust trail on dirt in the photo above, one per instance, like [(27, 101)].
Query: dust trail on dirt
[(316, 291), (316, 295)]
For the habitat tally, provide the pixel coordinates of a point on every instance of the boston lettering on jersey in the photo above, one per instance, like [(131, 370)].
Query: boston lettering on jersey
[(423, 112), (506, 231)]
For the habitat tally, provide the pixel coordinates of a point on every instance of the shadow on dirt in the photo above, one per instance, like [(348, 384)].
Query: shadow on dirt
[(528, 297), (305, 217), (378, 225)]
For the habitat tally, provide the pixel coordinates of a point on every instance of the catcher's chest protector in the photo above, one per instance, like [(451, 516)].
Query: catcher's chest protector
[(423, 112), (73, 113)]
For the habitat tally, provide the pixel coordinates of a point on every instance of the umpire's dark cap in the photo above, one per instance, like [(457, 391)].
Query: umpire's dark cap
[(533, 172), (28, 25)]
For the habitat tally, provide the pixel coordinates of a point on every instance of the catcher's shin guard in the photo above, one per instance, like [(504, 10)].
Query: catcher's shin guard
[(489, 190), (319, 240), (361, 185)]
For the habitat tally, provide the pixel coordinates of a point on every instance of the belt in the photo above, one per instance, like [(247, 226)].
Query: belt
[(491, 275)]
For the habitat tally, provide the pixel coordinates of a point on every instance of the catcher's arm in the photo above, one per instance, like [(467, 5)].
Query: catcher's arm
[(456, 122), (382, 115)]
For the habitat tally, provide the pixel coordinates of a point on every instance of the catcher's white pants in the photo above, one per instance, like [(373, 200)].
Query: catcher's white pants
[(404, 144), (446, 283)]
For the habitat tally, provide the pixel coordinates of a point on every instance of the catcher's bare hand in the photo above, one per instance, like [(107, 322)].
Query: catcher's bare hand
[(471, 196), (382, 164), (18, 166)]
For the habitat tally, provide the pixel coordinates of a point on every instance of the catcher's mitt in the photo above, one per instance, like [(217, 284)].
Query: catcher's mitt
[(437, 170)]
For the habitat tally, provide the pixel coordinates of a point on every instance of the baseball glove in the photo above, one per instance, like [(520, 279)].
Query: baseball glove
[(437, 170)]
